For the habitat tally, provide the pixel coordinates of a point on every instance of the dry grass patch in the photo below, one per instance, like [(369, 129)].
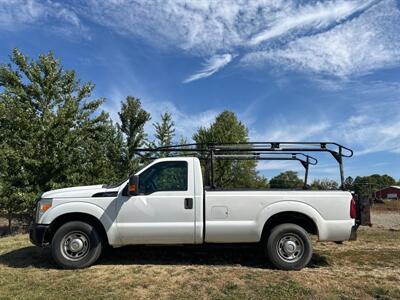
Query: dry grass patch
[(387, 205), (365, 269)]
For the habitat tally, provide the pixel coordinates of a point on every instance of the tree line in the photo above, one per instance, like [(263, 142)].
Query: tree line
[(55, 134)]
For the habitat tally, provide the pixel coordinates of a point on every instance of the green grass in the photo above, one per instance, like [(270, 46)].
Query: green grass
[(368, 268)]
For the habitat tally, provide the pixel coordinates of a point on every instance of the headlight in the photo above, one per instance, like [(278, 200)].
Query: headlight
[(42, 206)]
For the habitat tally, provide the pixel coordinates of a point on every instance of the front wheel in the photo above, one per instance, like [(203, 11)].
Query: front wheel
[(288, 247), (76, 245)]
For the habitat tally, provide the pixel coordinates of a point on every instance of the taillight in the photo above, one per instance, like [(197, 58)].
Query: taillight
[(353, 209)]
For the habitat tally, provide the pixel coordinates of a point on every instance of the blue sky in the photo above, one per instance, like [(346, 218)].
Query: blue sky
[(291, 70)]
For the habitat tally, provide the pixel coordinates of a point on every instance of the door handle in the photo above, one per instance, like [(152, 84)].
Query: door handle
[(188, 203)]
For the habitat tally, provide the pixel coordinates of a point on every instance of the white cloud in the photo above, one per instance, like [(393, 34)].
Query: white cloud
[(15, 14), (335, 37), (368, 125), (372, 131), (211, 66), (199, 27), (339, 37), (283, 129), (364, 132), (368, 42), (317, 17)]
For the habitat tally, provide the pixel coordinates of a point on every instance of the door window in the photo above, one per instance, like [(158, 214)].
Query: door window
[(164, 176)]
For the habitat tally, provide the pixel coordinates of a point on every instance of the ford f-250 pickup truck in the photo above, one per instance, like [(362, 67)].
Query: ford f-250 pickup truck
[(167, 203)]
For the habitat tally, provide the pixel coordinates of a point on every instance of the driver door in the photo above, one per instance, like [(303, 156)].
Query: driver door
[(163, 212)]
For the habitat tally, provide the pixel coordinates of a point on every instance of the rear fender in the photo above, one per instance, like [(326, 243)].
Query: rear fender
[(291, 206)]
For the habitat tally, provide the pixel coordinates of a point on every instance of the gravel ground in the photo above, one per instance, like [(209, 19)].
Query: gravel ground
[(386, 219)]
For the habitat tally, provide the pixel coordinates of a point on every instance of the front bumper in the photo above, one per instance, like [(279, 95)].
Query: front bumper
[(37, 234), (353, 234)]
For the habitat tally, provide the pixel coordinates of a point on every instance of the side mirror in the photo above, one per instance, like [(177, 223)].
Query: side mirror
[(133, 185)]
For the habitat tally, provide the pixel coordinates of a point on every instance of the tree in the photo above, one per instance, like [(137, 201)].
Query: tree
[(286, 180), (362, 186), (324, 184), (349, 184), (51, 131), (368, 185), (133, 118), (165, 132), (230, 174)]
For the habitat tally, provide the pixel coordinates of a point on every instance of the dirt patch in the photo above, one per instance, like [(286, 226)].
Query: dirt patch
[(387, 205), (386, 219), (18, 227)]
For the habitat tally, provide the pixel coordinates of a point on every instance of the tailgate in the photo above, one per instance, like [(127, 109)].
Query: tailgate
[(363, 210)]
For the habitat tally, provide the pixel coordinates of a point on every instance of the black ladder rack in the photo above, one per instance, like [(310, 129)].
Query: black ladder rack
[(255, 151)]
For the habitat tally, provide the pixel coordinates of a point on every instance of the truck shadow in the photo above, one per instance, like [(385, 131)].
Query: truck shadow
[(223, 255)]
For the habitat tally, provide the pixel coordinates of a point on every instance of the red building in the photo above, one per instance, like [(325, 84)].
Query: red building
[(390, 192)]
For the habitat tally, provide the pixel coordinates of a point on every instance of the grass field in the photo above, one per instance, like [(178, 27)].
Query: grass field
[(365, 269)]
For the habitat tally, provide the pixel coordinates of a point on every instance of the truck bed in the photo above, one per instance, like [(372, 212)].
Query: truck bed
[(239, 216)]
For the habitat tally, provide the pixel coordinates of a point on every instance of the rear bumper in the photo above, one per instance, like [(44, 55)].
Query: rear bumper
[(37, 234), (353, 234)]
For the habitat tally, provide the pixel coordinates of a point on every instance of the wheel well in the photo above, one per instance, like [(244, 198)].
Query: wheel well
[(61, 220), (297, 218)]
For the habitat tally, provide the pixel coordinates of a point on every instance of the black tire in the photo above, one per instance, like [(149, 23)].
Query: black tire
[(288, 247), (76, 245)]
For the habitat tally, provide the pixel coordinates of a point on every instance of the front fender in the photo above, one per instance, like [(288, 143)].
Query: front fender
[(85, 208), (291, 206)]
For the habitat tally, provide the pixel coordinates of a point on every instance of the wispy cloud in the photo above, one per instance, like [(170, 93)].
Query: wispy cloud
[(335, 37), (371, 126), (316, 17), (368, 42), (340, 38), (17, 14), (211, 66), (283, 129)]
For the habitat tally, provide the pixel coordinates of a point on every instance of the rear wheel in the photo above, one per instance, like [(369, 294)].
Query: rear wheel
[(288, 247), (76, 245)]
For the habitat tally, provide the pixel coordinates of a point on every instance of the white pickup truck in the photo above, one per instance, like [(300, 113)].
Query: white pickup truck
[(166, 203)]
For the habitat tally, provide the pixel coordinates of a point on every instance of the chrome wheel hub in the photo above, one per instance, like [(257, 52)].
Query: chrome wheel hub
[(290, 247), (75, 245)]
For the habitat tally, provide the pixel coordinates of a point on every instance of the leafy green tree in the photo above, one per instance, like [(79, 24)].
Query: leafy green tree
[(286, 180), (368, 185), (133, 118), (50, 131), (165, 132), (349, 184), (230, 174), (362, 186), (324, 184)]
